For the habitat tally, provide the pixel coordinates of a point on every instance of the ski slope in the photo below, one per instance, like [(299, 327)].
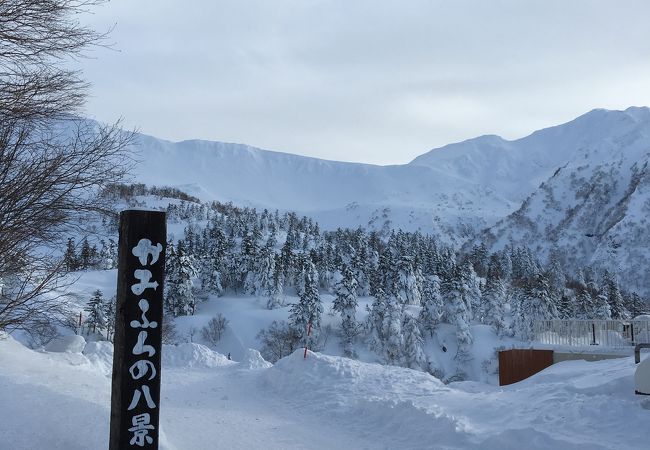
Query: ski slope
[(62, 401)]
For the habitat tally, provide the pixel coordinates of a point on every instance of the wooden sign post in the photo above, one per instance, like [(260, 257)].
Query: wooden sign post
[(135, 397)]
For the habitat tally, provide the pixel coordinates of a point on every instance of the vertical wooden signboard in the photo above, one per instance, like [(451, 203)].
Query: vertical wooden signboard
[(135, 397)]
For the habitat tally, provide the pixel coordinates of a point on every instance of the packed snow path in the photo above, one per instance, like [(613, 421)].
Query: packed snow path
[(62, 401)]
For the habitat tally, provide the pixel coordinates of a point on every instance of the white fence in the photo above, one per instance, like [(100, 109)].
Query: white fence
[(580, 333)]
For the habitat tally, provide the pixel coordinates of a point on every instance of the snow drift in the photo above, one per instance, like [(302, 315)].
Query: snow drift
[(62, 400)]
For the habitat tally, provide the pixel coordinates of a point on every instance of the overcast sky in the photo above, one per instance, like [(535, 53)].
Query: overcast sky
[(370, 81)]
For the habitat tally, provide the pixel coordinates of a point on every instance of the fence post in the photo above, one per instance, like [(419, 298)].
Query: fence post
[(135, 396), (593, 333)]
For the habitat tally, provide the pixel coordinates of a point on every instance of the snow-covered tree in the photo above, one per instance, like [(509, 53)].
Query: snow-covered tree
[(109, 314), (432, 304), (249, 261), (274, 293), (85, 256), (635, 304), (265, 267), (375, 322), (471, 288), (454, 291), (479, 259), (533, 303), (393, 344), (414, 356), (108, 255), (493, 300), (96, 318), (309, 308), (210, 276), (556, 277), (614, 298), (70, 259), (179, 298), (345, 304), (408, 284)]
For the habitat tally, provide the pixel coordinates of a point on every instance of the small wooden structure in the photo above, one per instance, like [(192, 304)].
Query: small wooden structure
[(516, 365)]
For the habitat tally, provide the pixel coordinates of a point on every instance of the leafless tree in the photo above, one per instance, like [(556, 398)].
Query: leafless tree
[(278, 340), (213, 331), (52, 162)]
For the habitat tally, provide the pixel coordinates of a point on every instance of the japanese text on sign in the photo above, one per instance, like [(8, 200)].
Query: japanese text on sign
[(143, 370)]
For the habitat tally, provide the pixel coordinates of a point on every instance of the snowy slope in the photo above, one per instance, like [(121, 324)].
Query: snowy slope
[(454, 191), (62, 400), (594, 209), (515, 169), (335, 193)]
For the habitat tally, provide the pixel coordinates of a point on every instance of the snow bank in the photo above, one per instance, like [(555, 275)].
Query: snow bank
[(254, 360), (375, 401), (61, 401), (100, 353), (571, 405), (66, 344), (192, 355)]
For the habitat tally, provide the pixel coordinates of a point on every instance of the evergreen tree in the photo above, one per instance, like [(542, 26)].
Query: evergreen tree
[(603, 311), (479, 259), (345, 304), (504, 264), (432, 304), (108, 255), (249, 261), (470, 289), (180, 270), (210, 276), (375, 322), (387, 272), (96, 315), (392, 331), (414, 357), (309, 308), (274, 294), (535, 303), (493, 303), (287, 260), (265, 271), (555, 275), (109, 314), (585, 305), (635, 304), (454, 292), (85, 255), (70, 260), (615, 298), (408, 281), (566, 306)]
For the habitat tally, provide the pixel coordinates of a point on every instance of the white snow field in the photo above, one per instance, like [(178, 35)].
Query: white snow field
[(62, 401)]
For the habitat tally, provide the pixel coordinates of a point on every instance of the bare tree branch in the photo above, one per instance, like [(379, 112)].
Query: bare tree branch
[(52, 163)]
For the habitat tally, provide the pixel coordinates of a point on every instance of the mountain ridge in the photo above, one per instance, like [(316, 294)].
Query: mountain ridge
[(544, 190)]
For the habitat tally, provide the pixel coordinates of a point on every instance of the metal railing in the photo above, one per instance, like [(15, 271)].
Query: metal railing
[(582, 333)]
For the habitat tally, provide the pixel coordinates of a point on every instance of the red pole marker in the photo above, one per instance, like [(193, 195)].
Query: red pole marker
[(307, 340)]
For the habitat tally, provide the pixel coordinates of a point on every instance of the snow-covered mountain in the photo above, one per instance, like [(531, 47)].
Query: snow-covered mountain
[(409, 196), (594, 209), (581, 186)]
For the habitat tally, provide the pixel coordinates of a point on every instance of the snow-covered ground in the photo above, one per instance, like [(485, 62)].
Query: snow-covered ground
[(248, 315), (62, 401)]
